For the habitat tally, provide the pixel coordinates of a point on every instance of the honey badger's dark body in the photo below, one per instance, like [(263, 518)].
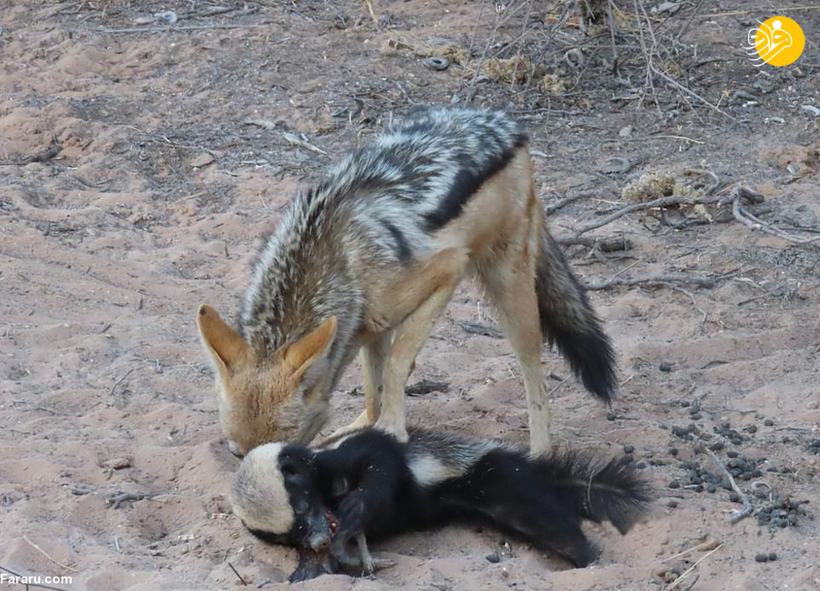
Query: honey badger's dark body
[(378, 486)]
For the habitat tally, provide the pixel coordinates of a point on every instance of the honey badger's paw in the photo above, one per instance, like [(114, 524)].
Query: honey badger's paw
[(306, 572), (350, 516), (312, 565)]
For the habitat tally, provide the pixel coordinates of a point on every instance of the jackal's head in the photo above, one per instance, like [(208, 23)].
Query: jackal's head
[(280, 397)]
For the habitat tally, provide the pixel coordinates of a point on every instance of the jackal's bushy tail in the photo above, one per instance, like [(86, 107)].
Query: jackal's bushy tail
[(568, 320)]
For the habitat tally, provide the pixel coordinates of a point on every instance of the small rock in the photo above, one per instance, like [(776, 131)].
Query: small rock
[(203, 159), (625, 131), (610, 416), (711, 488), (674, 484), (672, 503), (628, 449), (168, 17), (494, 558), (665, 367), (717, 446), (768, 423), (772, 556), (761, 557), (751, 429), (436, 63), (117, 464)]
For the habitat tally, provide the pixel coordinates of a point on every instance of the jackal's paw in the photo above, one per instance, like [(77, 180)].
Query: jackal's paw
[(359, 423), (399, 433)]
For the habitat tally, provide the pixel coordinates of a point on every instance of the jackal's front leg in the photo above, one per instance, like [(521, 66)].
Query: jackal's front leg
[(373, 354), (430, 289)]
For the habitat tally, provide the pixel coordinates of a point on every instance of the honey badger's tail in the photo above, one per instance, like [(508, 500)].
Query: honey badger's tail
[(568, 320), (544, 500), (599, 492)]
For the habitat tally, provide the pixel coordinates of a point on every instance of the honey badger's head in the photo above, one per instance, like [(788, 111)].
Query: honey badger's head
[(277, 496)]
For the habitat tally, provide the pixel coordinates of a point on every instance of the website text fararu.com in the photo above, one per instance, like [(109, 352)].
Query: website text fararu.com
[(7, 579)]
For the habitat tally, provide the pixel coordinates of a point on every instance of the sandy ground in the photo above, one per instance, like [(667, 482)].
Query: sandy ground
[(152, 201)]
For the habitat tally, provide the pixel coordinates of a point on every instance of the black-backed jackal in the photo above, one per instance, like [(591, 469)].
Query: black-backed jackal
[(369, 258)]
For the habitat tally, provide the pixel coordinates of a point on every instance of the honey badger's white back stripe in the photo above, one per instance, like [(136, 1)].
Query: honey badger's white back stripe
[(434, 457), (259, 497)]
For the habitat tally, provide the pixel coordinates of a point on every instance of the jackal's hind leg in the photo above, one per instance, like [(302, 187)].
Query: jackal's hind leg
[(510, 285)]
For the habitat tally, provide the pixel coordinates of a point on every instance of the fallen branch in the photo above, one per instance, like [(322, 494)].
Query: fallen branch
[(747, 504), (751, 221), (556, 205), (661, 202), (175, 29), (663, 280)]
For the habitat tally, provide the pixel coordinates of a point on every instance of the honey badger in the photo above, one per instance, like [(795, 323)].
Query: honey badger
[(369, 484)]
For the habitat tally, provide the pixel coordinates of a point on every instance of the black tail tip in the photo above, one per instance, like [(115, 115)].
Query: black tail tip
[(592, 359)]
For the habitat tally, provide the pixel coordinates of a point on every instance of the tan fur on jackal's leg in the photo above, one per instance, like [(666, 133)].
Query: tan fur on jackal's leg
[(449, 267), (373, 354), (510, 286)]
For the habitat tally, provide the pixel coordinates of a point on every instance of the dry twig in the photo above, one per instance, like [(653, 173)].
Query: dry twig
[(691, 297), (121, 380), (46, 554), (238, 576), (295, 141), (372, 13), (689, 570), (737, 515), (480, 329), (116, 500)]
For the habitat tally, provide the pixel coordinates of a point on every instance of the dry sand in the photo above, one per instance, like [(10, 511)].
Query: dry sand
[(155, 200)]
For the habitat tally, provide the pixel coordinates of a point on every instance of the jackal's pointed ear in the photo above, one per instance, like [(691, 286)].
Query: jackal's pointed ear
[(307, 350), (223, 343)]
